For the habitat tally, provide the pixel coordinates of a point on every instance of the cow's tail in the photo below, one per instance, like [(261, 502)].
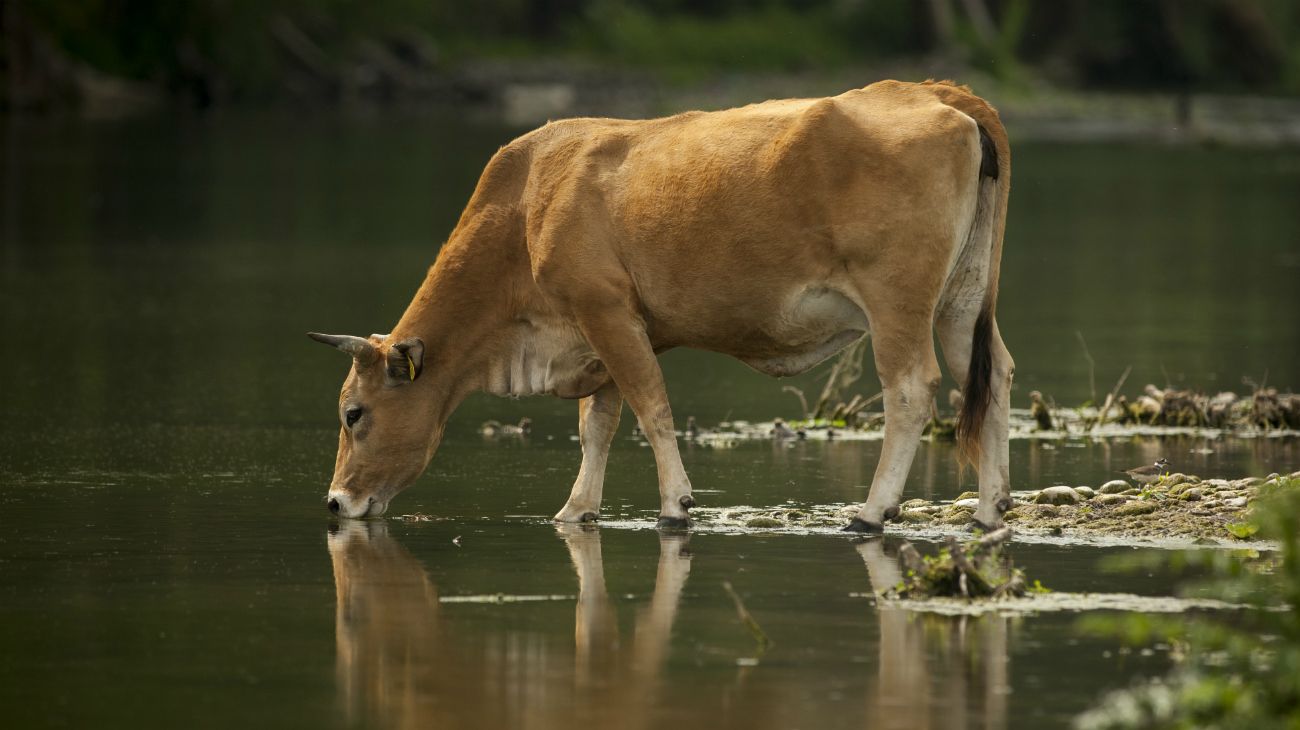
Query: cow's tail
[(986, 233)]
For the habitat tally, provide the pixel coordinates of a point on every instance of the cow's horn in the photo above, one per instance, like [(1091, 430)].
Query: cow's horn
[(358, 347)]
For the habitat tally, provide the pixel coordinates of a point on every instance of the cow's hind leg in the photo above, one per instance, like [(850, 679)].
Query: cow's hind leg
[(960, 337), (598, 416), (903, 346)]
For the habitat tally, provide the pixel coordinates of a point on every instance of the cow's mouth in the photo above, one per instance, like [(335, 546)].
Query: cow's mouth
[(347, 506), (376, 508)]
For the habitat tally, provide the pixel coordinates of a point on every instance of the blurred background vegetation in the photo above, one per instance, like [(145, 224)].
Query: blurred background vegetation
[(60, 53)]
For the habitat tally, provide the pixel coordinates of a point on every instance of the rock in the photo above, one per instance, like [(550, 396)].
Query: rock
[(1085, 492), (1057, 495), (1235, 502), (1192, 495), (969, 503), (1177, 477), (913, 517), (1135, 508), (967, 495), (1114, 486), (1220, 483), (914, 503), (1272, 476), (961, 517), (764, 522), (1046, 510), (1106, 500), (1132, 491), (1012, 515)]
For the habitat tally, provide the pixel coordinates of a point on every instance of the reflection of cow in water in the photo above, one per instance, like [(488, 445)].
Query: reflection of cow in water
[(968, 682), (401, 663)]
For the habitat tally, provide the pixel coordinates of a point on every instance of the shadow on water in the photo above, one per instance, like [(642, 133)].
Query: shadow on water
[(407, 659)]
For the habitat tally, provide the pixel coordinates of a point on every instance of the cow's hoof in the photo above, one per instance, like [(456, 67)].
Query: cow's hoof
[(1003, 505), (673, 523), (687, 501), (860, 525), (890, 514), (588, 517)]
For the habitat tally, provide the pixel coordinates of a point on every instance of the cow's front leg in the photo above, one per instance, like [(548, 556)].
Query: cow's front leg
[(598, 416), (620, 341)]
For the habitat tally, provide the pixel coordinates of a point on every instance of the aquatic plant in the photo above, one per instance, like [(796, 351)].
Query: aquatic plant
[(1233, 668), (976, 569)]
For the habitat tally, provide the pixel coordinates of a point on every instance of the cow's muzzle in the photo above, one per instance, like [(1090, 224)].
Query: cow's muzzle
[(345, 505)]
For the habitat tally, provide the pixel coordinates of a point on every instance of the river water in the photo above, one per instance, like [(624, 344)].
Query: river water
[(168, 434)]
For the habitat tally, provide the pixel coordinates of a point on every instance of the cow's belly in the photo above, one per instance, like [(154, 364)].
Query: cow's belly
[(811, 326)]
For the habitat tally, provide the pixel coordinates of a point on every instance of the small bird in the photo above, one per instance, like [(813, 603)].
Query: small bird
[(1150, 473), (781, 432), (492, 429), (692, 430), (1039, 410)]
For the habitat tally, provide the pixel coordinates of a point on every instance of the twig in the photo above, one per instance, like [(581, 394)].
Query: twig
[(1110, 399), (995, 538), (803, 402), (747, 620), (846, 371), (911, 558), (1092, 366)]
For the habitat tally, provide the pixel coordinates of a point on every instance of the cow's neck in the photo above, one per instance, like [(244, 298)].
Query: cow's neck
[(484, 324)]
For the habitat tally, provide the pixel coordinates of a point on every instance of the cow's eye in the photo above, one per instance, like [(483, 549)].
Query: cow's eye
[(352, 415)]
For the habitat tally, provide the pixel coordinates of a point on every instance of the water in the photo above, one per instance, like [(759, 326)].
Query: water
[(168, 432)]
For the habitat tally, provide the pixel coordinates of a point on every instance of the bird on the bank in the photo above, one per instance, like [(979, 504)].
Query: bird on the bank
[(492, 429), (1150, 473), (781, 432), (692, 430), (1039, 410)]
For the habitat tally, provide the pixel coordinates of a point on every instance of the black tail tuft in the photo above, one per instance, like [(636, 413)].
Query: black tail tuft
[(988, 155), (975, 399)]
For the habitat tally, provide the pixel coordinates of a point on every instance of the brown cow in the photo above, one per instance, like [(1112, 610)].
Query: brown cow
[(777, 233)]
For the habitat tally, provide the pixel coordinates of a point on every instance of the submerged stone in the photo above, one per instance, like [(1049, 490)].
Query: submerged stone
[(764, 522)]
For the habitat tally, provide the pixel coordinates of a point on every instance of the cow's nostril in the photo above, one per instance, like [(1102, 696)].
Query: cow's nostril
[(333, 504)]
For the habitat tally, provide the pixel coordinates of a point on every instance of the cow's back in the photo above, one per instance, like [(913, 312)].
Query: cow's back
[(718, 216)]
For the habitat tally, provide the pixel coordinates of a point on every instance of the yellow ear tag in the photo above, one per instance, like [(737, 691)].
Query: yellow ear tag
[(410, 366)]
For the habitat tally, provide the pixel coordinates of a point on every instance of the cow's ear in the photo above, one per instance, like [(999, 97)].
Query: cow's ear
[(405, 360)]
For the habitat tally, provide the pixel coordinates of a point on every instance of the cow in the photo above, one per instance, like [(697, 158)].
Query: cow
[(777, 233)]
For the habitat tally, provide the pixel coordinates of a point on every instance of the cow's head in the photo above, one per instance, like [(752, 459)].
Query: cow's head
[(391, 422)]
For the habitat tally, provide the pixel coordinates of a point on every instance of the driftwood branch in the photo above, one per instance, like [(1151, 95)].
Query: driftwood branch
[(1110, 398)]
